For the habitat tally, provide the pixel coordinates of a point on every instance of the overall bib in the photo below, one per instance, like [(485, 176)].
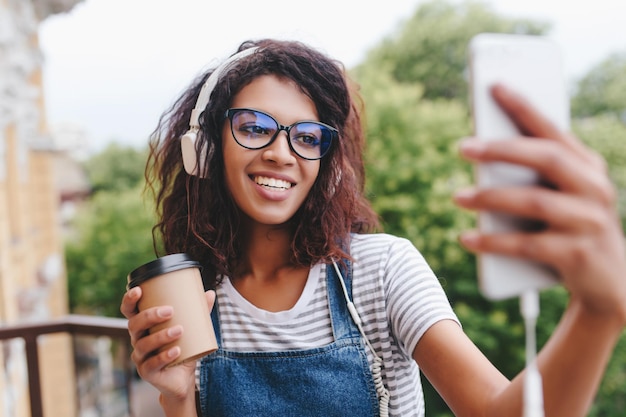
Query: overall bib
[(332, 380)]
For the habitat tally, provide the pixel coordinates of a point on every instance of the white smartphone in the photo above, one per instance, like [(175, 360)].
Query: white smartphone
[(532, 66)]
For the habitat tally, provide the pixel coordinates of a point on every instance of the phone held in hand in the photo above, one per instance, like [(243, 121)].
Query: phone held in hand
[(531, 66)]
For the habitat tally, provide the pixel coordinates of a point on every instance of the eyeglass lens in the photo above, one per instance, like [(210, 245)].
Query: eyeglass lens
[(254, 129)]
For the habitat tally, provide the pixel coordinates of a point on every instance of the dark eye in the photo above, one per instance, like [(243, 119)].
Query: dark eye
[(306, 139), (254, 130)]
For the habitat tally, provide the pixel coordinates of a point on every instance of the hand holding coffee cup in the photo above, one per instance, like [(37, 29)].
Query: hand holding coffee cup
[(175, 280)]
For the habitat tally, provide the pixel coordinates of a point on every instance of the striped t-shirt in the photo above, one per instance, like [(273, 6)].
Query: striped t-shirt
[(395, 292)]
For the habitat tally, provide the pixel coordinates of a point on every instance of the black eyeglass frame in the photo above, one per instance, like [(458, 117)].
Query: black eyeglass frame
[(334, 133)]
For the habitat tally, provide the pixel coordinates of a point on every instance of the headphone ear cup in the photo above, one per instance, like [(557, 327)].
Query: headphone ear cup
[(190, 157)]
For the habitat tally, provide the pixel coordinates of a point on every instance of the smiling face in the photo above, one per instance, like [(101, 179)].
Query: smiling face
[(270, 184)]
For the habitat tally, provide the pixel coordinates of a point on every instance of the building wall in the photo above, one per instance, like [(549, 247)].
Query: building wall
[(32, 275)]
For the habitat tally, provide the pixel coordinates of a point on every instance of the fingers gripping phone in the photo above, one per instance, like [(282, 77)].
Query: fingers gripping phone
[(530, 65)]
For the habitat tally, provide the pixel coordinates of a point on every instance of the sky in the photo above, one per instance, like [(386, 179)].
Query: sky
[(111, 67)]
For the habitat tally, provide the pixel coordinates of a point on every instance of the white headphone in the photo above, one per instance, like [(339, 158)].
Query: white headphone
[(194, 165)]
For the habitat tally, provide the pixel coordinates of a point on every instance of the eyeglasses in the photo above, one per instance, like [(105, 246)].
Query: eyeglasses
[(254, 129)]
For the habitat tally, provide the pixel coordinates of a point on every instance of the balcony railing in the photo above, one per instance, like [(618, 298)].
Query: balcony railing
[(73, 325)]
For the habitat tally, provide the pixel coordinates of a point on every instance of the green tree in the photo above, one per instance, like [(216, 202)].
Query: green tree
[(606, 134), (113, 238), (116, 168), (112, 233), (603, 89), (430, 48)]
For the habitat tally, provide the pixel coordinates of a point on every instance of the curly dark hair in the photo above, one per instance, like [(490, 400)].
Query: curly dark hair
[(198, 215)]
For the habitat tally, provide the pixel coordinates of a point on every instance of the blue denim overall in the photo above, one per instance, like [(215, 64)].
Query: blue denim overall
[(333, 380)]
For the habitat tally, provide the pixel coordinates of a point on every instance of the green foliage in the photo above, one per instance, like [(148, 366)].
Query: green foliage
[(114, 237), (602, 90), (116, 168), (607, 135), (413, 165), (431, 47), (112, 233), (611, 401)]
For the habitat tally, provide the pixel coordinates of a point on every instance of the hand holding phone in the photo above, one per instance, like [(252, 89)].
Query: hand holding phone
[(530, 65)]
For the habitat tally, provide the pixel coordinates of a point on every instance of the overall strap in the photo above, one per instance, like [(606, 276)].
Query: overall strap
[(215, 318), (342, 323)]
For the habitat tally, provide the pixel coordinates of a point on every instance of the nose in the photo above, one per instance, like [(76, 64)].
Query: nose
[(279, 150)]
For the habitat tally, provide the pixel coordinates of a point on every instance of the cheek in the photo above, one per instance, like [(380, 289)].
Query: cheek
[(229, 150), (230, 165), (316, 170), (311, 171)]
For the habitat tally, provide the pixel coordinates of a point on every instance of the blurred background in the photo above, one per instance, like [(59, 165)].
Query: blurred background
[(83, 83)]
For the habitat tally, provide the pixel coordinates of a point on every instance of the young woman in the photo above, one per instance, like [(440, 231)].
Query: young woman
[(270, 199)]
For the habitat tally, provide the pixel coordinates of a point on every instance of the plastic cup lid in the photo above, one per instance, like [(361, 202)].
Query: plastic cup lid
[(160, 266)]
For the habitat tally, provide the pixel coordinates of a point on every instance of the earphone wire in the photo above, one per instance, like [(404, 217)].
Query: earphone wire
[(381, 390), (533, 386)]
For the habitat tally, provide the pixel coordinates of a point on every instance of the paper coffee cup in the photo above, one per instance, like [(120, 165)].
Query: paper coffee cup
[(175, 280)]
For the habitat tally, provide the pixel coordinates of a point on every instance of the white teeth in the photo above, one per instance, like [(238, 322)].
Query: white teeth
[(272, 182)]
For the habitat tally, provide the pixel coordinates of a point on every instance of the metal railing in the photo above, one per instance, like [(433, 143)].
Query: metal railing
[(73, 325)]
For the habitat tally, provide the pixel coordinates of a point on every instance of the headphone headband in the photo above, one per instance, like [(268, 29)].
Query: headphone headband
[(188, 140), (210, 83)]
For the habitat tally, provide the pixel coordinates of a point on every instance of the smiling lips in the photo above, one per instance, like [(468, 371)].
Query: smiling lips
[(273, 183)]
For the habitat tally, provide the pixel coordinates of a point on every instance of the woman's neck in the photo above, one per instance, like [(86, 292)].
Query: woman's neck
[(266, 249), (267, 277)]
